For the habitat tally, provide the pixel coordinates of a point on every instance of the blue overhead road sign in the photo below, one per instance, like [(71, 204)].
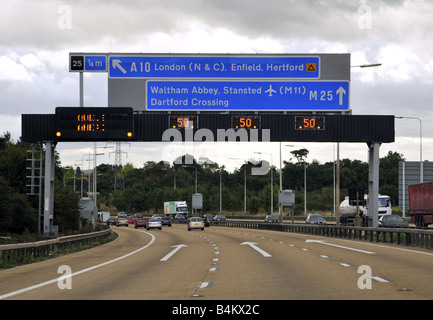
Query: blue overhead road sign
[(248, 95), (210, 67)]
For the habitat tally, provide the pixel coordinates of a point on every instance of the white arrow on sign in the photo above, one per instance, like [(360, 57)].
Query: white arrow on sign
[(253, 245), (340, 92), (338, 246), (116, 64), (176, 249)]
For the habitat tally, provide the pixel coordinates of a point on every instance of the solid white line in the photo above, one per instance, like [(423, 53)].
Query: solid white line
[(388, 247), (10, 294), (338, 246)]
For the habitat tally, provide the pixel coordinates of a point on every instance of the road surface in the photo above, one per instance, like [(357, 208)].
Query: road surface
[(225, 263)]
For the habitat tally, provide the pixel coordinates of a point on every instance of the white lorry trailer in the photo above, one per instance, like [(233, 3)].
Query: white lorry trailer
[(173, 208), (103, 216), (348, 212)]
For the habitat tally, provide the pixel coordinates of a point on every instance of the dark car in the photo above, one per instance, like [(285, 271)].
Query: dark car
[(206, 221), (111, 221), (392, 221), (140, 222), (219, 217), (272, 218), (166, 221), (179, 216), (315, 218), (209, 216)]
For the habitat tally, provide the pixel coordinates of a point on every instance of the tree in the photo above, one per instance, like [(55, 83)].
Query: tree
[(16, 212), (300, 154), (388, 175)]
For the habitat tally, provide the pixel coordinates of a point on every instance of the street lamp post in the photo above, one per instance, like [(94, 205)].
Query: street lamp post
[(421, 166), (421, 169), (272, 181), (280, 207), (337, 173), (195, 175), (245, 185), (368, 65)]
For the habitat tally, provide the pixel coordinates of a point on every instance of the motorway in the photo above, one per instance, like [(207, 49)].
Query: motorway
[(225, 263)]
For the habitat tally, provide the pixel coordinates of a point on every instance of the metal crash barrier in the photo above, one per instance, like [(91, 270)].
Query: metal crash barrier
[(21, 252), (400, 236)]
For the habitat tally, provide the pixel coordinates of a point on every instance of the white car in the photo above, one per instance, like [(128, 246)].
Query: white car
[(195, 223), (153, 223)]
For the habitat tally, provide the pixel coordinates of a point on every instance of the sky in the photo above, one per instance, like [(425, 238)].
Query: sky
[(38, 35)]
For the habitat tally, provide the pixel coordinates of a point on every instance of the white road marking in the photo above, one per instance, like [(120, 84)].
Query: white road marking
[(253, 245), (205, 285), (176, 249), (346, 265), (338, 246), (380, 279), (42, 284)]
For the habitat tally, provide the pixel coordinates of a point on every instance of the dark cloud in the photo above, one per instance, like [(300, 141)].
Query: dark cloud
[(38, 34), (55, 24)]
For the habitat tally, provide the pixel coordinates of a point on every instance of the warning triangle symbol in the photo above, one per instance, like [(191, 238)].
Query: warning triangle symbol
[(311, 67)]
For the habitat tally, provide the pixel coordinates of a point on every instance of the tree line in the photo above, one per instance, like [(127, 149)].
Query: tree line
[(18, 210), (145, 189)]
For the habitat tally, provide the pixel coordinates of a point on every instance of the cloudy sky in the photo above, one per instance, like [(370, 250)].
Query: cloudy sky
[(38, 35)]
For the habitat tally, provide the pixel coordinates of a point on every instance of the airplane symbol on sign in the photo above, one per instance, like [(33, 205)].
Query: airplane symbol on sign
[(270, 91)]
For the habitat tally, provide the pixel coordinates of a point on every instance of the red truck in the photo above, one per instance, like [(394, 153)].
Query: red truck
[(421, 204)]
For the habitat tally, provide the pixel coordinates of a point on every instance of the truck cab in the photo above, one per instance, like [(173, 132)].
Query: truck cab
[(384, 205)]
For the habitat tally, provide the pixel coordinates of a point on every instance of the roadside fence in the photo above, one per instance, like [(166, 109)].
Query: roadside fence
[(21, 252), (400, 236)]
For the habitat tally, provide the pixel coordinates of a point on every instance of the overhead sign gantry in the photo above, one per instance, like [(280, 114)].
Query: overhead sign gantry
[(212, 97)]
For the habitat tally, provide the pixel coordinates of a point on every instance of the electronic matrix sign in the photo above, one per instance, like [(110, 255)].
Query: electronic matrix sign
[(92, 124)]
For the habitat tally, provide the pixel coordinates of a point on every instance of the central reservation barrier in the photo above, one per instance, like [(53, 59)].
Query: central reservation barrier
[(400, 236)]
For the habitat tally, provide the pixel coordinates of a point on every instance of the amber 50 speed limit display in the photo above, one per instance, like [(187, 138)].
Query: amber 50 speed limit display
[(309, 123), (183, 122), (246, 122)]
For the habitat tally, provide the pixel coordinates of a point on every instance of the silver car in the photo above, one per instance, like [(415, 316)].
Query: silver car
[(195, 223), (154, 223), (122, 222)]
